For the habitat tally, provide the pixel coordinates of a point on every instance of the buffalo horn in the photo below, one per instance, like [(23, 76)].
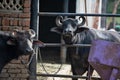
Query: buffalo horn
[(32, 33), (59, 20), (83, 21)]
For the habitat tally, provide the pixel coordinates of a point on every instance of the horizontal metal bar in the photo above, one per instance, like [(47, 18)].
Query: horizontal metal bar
[(77, 14), (65, 76), (59, 45)]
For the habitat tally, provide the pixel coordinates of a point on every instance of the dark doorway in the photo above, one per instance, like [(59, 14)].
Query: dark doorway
[(47, 22)]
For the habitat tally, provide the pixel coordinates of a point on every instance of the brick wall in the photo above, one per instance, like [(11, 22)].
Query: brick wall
[(10, 20)]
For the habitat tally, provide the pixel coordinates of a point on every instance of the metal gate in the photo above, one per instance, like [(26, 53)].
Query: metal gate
[(34, 25)]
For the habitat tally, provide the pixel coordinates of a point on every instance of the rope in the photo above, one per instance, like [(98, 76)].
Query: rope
[(30, 60), (41, 60), (27, 64)]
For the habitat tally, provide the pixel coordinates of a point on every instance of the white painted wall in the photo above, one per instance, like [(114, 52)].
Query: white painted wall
[(91, 7)]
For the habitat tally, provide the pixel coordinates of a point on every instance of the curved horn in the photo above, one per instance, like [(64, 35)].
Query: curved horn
[(83, 20), (32, 33), (59, 20)]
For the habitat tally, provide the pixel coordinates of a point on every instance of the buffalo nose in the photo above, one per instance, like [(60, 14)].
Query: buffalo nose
[(67, 32)]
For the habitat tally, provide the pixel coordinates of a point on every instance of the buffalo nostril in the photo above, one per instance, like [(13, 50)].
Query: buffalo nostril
[(69, 31)]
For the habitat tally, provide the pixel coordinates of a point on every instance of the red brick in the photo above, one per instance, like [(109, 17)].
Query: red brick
[(22, 75), (23, 71), (26, 4), (26, 10), (25, 57), (7, 15), (14, 22), (24, 15), (16, 66), (26, 22), (25, 28), (4, 70), (15, 61), (11, 28), (14, 15), (4, 75), (12, 75), (20, 22), (5, 28), (1, 14), (5, 22), (3, 78), (12, 66), (14, 70), (23, 79), (9, 21), (16, 78)]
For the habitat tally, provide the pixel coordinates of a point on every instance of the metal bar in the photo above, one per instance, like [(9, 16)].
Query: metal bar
[(58, 45), (63, 48), (76, 14), (66, 76), (66, 6), (34, 26), (103, 19)]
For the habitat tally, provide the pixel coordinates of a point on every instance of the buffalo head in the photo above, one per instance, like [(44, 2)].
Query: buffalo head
[(68, 27), (22, 40)]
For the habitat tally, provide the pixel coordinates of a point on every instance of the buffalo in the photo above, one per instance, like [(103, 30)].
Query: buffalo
[(74, 32), (16, 43)]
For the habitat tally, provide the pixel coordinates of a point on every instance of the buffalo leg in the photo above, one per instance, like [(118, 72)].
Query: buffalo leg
[(74, 73), (90, 72)]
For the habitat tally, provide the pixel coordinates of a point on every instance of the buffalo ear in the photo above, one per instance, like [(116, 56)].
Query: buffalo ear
[(38, 43), (57, 30), (11, 42), (81, 29)]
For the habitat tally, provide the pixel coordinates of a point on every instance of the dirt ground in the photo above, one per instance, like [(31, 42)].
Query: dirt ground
[(52, 68), (52, 64)]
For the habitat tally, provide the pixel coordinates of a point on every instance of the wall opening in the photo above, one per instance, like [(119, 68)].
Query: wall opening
[(47, 22)]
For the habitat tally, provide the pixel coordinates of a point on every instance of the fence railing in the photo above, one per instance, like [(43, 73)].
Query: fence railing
[(76, 14)]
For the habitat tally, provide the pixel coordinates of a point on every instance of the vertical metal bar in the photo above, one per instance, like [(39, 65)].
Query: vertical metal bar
[(89, 72), (63, 48), (103, 19), (66, 7), (34, 25), (34, 16)]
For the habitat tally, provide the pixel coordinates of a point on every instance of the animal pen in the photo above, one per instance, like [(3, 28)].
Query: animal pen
[(99, 23), (38, 15)]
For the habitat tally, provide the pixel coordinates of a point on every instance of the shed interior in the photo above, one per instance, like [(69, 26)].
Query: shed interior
[(47, 22)]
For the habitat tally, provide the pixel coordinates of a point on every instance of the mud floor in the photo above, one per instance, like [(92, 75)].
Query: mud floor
[(53, 68)]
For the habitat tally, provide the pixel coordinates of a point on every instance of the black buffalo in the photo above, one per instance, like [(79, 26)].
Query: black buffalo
[(16, 43), (74, 33)]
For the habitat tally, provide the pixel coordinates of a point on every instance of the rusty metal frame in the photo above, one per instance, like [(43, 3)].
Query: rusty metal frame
[(67, 76), (59, 45), (76, 14), (74, 45)]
